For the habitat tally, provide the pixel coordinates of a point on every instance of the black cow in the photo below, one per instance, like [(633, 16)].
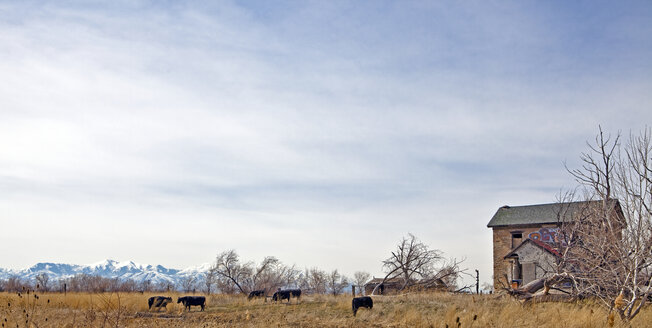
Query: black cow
[(256, 293), (189, 301), (281, 295), (159, 301), (361, 302)]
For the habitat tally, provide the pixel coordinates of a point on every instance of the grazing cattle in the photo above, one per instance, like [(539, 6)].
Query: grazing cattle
[(256, 293), (361, 302), (189, 301), (281, 295), (158, 302)]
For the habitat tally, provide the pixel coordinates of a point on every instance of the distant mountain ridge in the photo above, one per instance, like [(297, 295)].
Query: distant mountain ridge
[(109, 269)]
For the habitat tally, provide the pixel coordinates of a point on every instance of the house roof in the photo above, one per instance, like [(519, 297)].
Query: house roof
[(538, 214), (537, 243), (375, 281), (393, 282)]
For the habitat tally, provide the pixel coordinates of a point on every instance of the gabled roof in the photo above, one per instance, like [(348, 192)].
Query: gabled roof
[(375, 281), (539, 214), (398, 281), (537, 243)]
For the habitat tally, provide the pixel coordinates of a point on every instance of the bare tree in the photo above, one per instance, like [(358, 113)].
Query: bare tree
[(226, 286), (96, 284), (272, 274), (412, 260), (265, 275), (360, 278), (60, 284), (189, 283), (336, 282), (42, 280), (231, 271), (165, 286), (286, 276), (314, 281), (146, 285), (128, 285), (15, 284), (210, 279), (234, 276), (447, 276), (606, 247)]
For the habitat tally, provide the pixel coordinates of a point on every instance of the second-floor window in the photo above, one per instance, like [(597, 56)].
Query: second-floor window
[(517, 238)]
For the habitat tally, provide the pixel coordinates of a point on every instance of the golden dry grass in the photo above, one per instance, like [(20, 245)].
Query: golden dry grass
[(412, 310)]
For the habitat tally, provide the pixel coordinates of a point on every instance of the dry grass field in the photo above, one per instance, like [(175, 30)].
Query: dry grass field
[(412, 310)]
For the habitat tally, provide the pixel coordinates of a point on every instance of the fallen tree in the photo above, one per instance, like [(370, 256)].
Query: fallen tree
[(605, 247)]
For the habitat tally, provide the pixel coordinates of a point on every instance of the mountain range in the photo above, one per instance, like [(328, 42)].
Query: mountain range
[(110, 269)]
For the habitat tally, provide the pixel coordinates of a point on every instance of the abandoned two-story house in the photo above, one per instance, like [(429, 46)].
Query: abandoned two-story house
[(525, 239)]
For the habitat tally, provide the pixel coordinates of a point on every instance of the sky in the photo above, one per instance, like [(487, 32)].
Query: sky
[(319, 132)]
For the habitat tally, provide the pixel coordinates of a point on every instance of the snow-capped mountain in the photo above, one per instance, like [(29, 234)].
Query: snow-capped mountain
[(110, 269)]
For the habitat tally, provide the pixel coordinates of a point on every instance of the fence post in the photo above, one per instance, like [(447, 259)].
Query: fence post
[(477, 281)]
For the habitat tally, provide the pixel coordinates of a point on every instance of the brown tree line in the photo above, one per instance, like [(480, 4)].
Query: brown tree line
[(81, 283), (414, 262), (232, 276), (228, 275)]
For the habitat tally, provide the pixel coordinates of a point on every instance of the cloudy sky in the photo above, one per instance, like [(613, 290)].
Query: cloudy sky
[(320, 132)]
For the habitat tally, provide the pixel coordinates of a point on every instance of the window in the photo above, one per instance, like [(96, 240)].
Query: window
[(517, 237)]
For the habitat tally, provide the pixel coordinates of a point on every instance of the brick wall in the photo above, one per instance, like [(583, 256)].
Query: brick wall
[(502, 244)]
